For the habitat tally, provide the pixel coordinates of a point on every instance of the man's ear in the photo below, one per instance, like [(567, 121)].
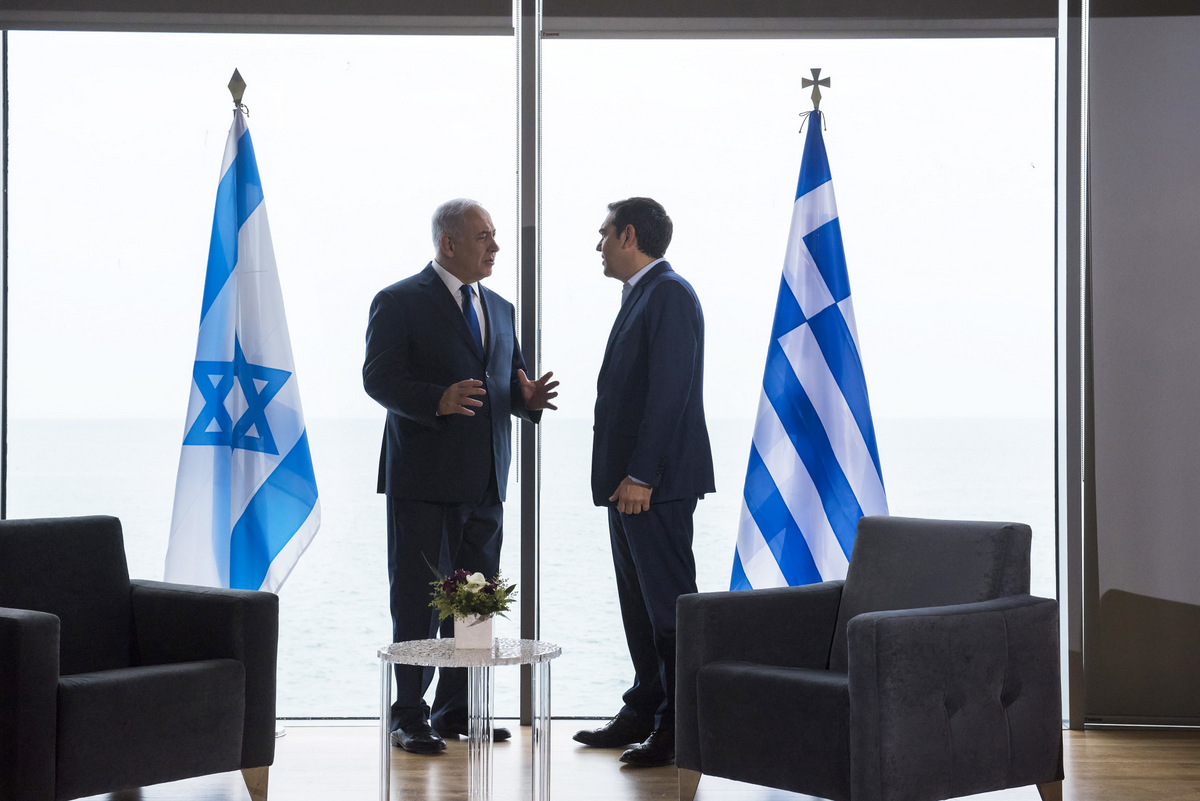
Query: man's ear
[(629, 237), (446, 246)]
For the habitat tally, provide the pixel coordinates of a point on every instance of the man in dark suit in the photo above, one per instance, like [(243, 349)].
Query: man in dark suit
[(651, 462), (443, 359)]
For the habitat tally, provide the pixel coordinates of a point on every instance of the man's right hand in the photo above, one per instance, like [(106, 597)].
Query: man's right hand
[(632, 497), (458, 398)]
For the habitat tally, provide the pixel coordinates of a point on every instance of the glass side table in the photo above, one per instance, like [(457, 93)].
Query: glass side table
[(480, 692)]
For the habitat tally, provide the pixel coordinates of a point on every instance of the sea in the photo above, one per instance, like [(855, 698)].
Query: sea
[(334, 609)]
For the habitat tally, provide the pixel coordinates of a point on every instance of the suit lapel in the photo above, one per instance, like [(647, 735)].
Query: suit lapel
[(441, 299), (635, 296)]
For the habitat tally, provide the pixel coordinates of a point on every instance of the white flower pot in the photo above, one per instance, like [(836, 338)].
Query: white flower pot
[(473, 632)]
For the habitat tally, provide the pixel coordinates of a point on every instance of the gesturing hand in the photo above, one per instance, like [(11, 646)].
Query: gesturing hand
[(538, 394), (457, 399)]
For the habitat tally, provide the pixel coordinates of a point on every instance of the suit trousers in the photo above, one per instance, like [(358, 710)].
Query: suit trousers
[(652, 555), (423, 537)]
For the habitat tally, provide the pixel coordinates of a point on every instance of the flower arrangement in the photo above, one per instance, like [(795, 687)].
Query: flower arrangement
[(462, 593)]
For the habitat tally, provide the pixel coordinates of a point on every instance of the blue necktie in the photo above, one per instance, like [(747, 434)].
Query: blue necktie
[(469, 315)]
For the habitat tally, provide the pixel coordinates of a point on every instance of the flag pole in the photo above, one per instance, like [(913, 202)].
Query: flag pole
[(237, 88)]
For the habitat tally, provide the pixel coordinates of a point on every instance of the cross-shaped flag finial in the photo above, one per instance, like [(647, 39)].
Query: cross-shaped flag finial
[(816, 82)]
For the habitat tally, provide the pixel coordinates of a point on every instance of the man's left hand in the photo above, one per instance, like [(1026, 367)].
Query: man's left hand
[(538, 394)]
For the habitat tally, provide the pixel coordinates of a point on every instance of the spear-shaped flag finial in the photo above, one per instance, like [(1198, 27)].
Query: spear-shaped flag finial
[(237, 87)]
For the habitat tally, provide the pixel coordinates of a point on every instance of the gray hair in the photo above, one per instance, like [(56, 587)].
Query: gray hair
[(448, 219)]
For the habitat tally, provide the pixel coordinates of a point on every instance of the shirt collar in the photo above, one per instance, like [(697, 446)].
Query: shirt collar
[(451, 282), (633, 279)]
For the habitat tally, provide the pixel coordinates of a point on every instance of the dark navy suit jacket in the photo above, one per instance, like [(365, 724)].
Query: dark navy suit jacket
[(418, 344), (649, 395)]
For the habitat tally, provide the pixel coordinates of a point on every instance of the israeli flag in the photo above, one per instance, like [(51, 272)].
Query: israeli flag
[(245, 497), (814, 466)]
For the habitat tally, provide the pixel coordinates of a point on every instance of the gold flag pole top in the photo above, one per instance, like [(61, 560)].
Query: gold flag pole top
[(237, 87)]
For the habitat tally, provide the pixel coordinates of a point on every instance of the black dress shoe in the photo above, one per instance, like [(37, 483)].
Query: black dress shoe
[(418, 738), (617, 732), (499, 733), (658, 750)]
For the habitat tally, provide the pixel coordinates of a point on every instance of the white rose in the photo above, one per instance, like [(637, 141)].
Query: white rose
[(475, 582)]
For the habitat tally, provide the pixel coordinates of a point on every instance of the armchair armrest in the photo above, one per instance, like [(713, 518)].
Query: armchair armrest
[(182, 623), (28, 702), (954, 700), (744, 626)]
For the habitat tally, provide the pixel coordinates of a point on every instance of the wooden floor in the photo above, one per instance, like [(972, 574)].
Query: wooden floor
[(327, 762)]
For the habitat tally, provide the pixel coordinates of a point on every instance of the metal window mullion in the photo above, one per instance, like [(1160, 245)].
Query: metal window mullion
[(527, 24)]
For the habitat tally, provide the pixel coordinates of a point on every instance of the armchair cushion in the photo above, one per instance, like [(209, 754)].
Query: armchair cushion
[(806, 722), (112, 733), (785, 627), (178, 623)]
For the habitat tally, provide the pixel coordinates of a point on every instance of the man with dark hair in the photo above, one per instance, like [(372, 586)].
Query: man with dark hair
[(654, 227), (651, 463), (443, 359)]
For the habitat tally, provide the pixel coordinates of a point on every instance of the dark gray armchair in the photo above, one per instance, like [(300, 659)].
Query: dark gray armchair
[(108, 684), (929, 673)]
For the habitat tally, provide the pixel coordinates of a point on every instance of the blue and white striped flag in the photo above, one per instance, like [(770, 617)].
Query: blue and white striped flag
[(814, 466), (245, 497)]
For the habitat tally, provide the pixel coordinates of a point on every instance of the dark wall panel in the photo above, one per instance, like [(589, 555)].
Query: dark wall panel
[(1142, 652)]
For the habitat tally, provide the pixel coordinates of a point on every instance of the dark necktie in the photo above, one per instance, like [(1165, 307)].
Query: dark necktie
[(469, 315)]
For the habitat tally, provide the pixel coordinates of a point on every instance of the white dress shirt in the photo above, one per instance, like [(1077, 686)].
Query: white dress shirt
[(454, 285)]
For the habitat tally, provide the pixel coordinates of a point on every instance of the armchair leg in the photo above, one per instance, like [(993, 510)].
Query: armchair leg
[(689, 780), (1051, 791), (256, 782)]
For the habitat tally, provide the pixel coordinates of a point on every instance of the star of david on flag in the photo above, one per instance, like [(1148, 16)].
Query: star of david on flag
[(246, 502), (814, 465), (214, 426)]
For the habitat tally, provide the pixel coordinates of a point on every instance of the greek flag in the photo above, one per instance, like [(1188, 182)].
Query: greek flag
[(814, 466), (245, 497)]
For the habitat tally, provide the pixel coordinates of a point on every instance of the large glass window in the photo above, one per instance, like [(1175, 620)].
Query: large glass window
[(942, 155), (116, 145), (946, 206)]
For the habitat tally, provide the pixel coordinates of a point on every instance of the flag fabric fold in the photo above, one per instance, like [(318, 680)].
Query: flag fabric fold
[(814, 465), (246, 504)]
